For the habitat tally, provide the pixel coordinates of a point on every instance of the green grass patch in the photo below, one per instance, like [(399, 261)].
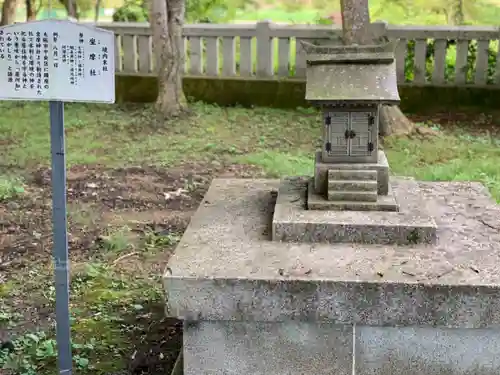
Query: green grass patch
[(451, 157), (11, 187), (115, 135), (280, 141), (279, 164), (111, 310)]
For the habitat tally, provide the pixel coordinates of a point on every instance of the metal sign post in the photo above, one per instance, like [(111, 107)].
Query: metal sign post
[(60, 236), (58, 61)]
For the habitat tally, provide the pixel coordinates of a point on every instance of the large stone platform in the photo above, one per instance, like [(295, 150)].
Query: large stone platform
[(253, 306)]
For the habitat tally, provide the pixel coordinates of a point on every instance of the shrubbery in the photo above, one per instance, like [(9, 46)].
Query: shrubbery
[(449, 70), (131, 11), (206, 11)]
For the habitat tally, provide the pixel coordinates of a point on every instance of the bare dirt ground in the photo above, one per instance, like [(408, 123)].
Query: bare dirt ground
[(100, 201)]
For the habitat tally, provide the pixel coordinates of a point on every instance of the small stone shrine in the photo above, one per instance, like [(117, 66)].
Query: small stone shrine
[(349, 272), (351, 178), (349, 84)]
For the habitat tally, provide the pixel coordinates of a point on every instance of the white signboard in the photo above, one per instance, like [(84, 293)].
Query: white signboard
[(57, 60)]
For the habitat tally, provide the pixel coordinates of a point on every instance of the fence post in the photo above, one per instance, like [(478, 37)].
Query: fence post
[(265, 63)]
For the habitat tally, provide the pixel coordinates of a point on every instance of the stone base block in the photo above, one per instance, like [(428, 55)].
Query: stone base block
[(351, 174), (426, 351), (382, 169), (255, 306), (226, 268), (292, 222), (264, 348), (382, 203), (351, 185), (357, 196)]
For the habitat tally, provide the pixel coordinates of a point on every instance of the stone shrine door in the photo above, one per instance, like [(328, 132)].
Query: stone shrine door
[(336, 128), (348, 134), (360, 137)]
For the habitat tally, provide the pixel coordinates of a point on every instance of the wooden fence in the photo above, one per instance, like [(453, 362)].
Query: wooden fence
[(433, 55)]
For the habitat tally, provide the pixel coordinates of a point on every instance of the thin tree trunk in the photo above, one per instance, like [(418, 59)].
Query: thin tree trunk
[(97, 10), (458, 13), (8, 12), (30, 11), (71, 8), (166, 19), (355, 26)]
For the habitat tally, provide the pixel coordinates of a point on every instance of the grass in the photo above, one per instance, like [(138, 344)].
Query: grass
[(102, 300), (10, 187), (279, 141), (110, 308), (111, 301), (114, 136), (457, 157)]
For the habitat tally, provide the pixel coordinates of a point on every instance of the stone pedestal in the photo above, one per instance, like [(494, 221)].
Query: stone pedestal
[(352, 186), (294, 222), (254, 306), (351, 171), (278, 348)]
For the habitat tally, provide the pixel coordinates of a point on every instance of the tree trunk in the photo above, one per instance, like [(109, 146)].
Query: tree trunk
[(30, 10), (355, 26), (355, 20), (8, 12), (166, 19), (97, 9), (71, 8), (458, 13), (394, 122)]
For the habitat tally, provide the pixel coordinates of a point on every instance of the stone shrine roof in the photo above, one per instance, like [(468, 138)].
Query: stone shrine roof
[(357, 74)]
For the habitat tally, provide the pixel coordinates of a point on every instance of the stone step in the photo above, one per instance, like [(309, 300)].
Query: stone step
[(352, 185), (352, 174), (357, 196), (380, 205)]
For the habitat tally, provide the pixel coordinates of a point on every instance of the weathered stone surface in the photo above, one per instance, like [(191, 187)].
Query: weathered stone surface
[(346, 82), (321, 204), (351, 174), (383, 203), (263, 348), (293, 223), (426, 351), (351, 74), (382, 169), (351, 185), (226, 268), (357, 196), (322, 52)]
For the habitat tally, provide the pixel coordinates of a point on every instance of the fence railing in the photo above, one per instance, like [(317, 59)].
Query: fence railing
[(434, 55)]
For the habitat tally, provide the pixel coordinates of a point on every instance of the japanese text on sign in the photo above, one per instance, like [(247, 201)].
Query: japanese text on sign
[(56, 60)]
